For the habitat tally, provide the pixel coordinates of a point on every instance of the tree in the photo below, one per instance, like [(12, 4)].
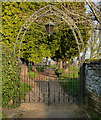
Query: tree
[(35, 45), (67, 48)]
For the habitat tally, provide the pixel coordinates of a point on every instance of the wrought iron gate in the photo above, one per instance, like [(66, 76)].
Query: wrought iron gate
[(46, 83)]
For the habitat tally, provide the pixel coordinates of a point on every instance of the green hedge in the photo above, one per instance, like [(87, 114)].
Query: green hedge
[(10, 79)]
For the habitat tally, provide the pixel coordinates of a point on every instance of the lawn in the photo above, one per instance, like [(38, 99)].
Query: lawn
[(52, 66), (69, 80)]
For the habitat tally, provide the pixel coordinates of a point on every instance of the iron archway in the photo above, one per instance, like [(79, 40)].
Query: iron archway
[(47, 10)]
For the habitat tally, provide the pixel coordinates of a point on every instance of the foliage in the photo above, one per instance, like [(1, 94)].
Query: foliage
[(4, 116), (14, 15), (67, 47), (36, 45), (32, 75), (29, 68), (11, 86), (73, 68), (58, 71), (40, 68), (24, 87), (10, 77)]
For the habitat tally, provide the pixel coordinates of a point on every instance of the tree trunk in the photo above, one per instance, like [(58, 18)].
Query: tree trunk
[(46, 60), (65, 67), (60, 64)]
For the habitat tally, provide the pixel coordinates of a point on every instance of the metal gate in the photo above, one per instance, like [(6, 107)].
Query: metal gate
[(46, 83)]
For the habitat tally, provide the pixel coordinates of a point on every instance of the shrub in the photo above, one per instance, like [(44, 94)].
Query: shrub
[(29, 68), (40, 68), (58, 72), (32, 75), (24, 87)]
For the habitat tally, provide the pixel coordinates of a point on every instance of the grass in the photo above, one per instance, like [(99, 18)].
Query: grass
[(52, 66), (69, 81), (40, 68), (70, 85), (73, 68), (32, 75)]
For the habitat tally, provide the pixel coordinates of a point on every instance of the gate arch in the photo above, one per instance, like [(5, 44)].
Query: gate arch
[(47, 10)]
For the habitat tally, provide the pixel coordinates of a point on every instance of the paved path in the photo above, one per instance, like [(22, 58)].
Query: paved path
[(41, 110), (46, 88)]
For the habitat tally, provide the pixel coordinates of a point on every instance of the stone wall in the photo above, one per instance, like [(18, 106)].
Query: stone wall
[(93, 85)]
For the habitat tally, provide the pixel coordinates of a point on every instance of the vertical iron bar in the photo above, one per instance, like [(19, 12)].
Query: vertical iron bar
[(74, 84), (24, 81), (54, 93), (73, 80), (69, 81), (28, 81), (39, 82), (34, 84), (19, 72), (49, 87)]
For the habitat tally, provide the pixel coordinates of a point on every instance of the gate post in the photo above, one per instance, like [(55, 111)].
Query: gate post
[(81, 85)]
